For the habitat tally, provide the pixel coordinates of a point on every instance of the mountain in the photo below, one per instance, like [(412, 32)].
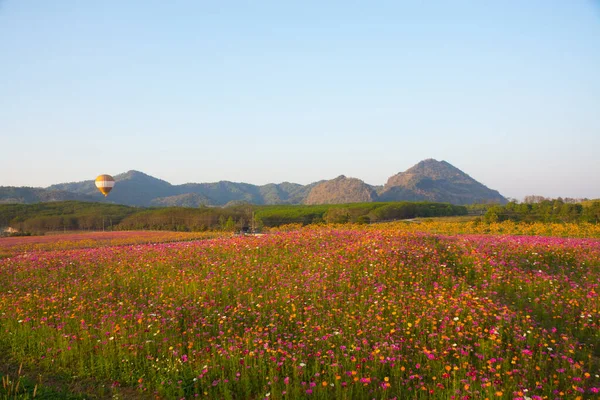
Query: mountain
[(181, 200), (438, 181), (139, 189), (286, 192), (429, 180), (341, 190), (135, 189), (224, 192), (10, 194)]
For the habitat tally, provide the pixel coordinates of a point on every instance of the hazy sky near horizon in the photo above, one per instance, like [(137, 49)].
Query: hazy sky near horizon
[(271, 91)]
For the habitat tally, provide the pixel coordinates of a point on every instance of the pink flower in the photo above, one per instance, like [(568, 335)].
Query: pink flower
[(286, 380)]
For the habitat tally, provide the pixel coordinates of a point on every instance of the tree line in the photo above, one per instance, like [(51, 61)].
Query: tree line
[(74, 215), (540, 209)]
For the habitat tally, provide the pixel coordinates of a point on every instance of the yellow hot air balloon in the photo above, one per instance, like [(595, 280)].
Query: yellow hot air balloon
[(105, 183)]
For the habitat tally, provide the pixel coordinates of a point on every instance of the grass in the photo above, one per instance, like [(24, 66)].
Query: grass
[(21, 382)]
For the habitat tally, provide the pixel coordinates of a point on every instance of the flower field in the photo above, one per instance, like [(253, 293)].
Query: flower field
[(15, 245), (583, 229), (446, 227), (346, 312)]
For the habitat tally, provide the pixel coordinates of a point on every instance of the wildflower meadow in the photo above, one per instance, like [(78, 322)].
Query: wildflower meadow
[(22, 244), (371, 312)]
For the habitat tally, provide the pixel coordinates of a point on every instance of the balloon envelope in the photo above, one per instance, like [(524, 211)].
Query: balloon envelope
[(105, 183)]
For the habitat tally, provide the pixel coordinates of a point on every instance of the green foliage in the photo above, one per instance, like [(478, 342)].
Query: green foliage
[(406, 210), (363, 219), (64, 215), (547, 210), (355, 212), (229, 225), (337, 216), (591, 212), (281, 215), (73, 215)]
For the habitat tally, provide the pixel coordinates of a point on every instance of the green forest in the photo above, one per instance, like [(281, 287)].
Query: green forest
[(547, 210), (74, 215)]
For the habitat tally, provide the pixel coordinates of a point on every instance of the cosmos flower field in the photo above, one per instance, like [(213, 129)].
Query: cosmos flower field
[(22, 244), (348, 313)]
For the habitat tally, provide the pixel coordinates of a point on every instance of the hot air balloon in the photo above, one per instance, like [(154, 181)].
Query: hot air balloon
[(105, 183)]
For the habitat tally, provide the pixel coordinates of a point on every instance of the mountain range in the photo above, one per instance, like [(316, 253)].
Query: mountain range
[(428, 180)]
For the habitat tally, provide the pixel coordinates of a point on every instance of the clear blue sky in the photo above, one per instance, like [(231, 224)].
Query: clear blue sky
[(268, 91)]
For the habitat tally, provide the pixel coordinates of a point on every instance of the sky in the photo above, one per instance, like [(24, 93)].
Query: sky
[(271, 91)]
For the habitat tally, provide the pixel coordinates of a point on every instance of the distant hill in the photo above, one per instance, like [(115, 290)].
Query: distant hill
[(429, 180), (341, 190), (135, 189), (139, 189), (285, 193), (439, 181), (24, 195), (181, 200)]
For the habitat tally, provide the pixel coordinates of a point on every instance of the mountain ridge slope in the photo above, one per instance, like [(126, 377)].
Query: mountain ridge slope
[(428, 180)]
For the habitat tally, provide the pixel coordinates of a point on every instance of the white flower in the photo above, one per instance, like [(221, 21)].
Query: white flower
[(302, 365), (456, 318)]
